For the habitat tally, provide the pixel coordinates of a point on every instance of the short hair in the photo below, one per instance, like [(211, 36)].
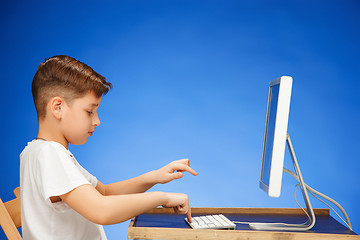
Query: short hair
[(66, 77)]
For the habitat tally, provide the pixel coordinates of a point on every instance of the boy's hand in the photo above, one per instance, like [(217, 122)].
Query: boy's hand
[(180, 203), (174, 171)]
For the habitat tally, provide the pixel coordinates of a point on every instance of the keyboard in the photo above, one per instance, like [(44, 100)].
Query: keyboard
[(211, 222)]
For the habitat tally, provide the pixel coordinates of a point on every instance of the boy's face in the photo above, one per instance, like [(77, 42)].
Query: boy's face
[(78, 120)]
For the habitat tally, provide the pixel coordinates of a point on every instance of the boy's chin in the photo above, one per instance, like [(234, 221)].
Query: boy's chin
[(79, 142)]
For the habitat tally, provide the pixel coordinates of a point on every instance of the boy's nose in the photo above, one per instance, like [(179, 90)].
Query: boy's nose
[(96, 121)]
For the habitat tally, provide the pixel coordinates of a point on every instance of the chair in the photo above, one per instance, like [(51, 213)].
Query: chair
[(10, 216)]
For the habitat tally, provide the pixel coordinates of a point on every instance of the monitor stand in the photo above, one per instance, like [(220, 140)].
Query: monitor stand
[(287, 226)]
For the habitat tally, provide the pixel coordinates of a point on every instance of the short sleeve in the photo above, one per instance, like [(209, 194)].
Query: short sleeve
[(57, 171), (92, 179)]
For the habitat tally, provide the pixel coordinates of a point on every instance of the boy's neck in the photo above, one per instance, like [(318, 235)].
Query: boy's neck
[(49, 132)]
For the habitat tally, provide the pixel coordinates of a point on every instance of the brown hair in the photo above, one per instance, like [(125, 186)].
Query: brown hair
[(66, 77)]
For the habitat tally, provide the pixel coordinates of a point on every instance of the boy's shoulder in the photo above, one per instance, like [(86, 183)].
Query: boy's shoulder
[(39, 149), (43, 144)]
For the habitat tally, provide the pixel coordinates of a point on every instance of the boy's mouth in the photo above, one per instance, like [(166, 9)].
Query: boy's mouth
[(91, 133)]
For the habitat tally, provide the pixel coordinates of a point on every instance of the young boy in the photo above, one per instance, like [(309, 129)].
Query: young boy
[(59, 198)]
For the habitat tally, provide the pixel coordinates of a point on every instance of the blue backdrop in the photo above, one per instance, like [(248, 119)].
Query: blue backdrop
[(191, 81)]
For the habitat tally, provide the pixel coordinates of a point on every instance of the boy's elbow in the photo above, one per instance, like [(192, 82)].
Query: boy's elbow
[(100, 216), (103, 219), (106, 216)]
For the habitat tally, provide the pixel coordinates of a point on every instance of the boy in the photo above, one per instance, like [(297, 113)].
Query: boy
[(59, 198)]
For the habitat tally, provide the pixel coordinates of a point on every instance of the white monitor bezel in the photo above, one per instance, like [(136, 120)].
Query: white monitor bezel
[(280, 131)]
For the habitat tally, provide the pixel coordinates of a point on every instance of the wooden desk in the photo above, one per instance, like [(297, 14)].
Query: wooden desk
[(162, 223)]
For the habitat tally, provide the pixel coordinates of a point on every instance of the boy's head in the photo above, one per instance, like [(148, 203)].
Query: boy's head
[(67, 78)]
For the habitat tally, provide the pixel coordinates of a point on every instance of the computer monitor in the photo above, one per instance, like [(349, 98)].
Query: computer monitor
[(277, 116), (275, 139), (272, 168)]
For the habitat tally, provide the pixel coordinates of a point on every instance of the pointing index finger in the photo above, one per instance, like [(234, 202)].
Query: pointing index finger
[(192, 171), (188, 215), (184, 167)]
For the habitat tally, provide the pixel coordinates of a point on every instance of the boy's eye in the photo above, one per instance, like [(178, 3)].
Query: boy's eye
[(89, 112)]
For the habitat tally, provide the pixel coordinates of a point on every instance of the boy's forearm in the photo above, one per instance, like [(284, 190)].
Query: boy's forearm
[(138, 184), (104, 210), (116, 209)]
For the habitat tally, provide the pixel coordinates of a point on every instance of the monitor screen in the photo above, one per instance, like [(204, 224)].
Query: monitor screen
[(275, 135)]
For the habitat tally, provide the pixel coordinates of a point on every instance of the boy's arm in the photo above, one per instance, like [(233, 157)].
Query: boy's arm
[(144, 182), (138, 184), (104, 210)]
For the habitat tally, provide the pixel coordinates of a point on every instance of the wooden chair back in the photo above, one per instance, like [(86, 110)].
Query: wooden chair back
[(10, 216)]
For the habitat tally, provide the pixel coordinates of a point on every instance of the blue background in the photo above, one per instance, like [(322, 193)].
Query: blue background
[(191, 81)]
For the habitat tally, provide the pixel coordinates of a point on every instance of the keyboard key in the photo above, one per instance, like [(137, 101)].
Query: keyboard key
[(220, 220)]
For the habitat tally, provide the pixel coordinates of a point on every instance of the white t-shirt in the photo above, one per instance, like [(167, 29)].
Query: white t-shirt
[(48, 169)]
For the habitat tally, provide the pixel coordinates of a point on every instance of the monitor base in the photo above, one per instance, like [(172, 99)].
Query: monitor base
[(285, 226)]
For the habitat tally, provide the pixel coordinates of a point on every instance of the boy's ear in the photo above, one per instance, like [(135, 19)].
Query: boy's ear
[(56, 104)]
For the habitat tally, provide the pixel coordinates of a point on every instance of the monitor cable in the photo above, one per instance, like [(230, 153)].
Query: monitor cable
[(314, 193)]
